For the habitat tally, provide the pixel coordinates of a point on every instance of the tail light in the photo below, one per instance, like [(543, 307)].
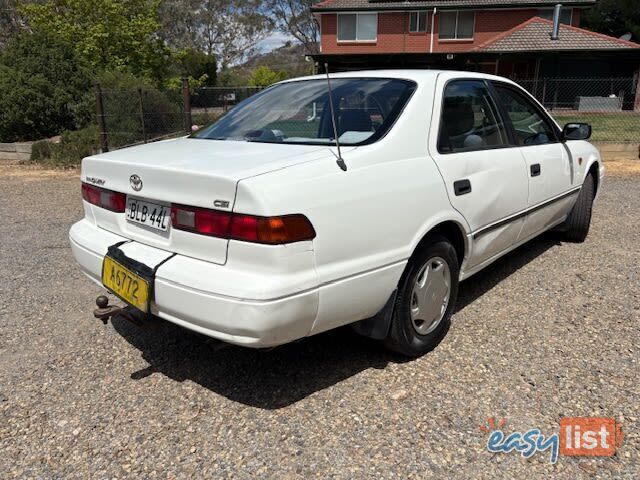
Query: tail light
[(233, 226), (238, 226), (101, 197)]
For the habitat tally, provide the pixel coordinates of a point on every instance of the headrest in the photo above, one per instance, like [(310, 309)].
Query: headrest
[(458, 117)]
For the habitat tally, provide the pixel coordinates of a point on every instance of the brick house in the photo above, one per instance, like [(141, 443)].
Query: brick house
[(509, 38)]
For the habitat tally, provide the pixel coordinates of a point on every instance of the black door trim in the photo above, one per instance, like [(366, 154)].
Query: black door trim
[(492, 226)]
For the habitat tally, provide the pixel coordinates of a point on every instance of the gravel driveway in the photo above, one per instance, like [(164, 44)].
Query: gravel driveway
[(551, 330)]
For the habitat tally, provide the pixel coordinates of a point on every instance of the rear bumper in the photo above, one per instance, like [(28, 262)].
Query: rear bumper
[(183, 293)]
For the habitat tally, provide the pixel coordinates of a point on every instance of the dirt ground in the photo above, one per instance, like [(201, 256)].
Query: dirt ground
[(549, 331)]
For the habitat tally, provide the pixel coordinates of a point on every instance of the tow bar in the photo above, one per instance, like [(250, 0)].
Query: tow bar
[(105, 311)]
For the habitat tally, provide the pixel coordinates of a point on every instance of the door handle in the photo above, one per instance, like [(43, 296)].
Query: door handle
[(462, 187), (535, 170)]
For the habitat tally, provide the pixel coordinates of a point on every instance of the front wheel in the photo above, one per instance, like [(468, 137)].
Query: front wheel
[(576, 226), (426, 298)]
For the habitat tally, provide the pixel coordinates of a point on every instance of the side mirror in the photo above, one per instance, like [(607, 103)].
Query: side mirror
[(576, 131)]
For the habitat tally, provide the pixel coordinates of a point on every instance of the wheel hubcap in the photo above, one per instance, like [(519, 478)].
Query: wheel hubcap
[(430, 296)]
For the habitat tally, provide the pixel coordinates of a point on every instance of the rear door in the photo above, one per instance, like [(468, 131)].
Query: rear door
[(549, 166), (485, 174)]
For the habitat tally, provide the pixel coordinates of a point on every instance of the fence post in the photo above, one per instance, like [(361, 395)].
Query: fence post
[(141, 106), (186, 105), (102, 125), (636, 103)]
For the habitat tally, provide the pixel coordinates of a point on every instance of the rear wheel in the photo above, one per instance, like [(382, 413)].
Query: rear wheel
[(426, 298), (576, 226)]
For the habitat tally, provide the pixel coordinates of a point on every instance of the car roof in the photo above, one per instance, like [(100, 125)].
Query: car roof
[(417, 75)]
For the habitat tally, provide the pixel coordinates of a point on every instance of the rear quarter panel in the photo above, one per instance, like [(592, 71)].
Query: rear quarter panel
[(368, 220)]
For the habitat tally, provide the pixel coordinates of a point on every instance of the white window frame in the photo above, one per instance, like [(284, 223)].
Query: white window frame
[(357, 14), (457, 39), (425, 28)]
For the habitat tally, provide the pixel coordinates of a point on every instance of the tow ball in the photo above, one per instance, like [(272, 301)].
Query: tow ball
[(105, 311)]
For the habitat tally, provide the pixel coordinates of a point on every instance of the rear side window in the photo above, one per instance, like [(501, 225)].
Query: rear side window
[(469, 120), (529, 125)]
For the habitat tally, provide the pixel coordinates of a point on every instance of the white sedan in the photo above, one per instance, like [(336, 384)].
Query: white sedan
[(264, 228)]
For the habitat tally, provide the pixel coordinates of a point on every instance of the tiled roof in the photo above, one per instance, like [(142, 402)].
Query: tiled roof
[(534, 35), (334, 5)]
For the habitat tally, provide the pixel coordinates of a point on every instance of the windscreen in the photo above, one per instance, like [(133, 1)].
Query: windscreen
[(299, 112)]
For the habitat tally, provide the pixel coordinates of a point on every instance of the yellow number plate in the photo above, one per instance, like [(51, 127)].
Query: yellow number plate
[(130, 287)]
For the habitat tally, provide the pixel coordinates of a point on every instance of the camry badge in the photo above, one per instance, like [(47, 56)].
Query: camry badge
[(136, 182)]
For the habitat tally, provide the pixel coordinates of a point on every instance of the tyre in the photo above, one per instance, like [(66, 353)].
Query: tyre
[(576, 226), (426, 298)]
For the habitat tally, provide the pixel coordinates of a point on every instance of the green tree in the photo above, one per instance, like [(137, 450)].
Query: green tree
[(230, 30), (264, 76), (10, 20), (197, 64), (43, 88), (614, 17), (108, 34), (294, 18), (230, 77)]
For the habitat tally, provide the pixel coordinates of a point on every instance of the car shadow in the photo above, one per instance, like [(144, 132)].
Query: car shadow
[(489, 277), (276, 378)]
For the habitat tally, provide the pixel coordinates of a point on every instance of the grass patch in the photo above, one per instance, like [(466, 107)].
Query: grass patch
[(622, 168), (607, 127)]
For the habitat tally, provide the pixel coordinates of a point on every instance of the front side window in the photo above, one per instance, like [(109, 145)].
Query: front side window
[(299, 112), (417, 22), (469, 120), (456, 25), (357, 27), (530, 127)]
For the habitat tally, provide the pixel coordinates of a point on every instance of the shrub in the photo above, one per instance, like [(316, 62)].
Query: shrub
[(263, 77), (73, 147), (44, 89), (41, 151)]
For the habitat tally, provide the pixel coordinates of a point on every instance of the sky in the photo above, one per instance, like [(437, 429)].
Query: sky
[(273, 41)]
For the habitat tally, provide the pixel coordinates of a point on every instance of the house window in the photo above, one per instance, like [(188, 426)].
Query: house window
[(456, 25), (417, 22), (565, 15), (357, 27)]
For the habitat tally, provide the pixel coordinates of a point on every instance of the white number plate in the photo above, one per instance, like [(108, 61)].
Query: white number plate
[(150, 214)]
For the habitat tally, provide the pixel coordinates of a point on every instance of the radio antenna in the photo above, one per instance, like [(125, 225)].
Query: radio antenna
[(334, 122)]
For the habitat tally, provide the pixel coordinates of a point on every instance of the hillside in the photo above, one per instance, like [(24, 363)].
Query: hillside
[(289, 58)]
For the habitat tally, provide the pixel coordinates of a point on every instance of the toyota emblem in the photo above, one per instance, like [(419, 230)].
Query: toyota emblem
[(136, 182)]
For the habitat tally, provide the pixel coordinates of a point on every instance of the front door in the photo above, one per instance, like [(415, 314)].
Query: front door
[(549, 166), (485, 174)]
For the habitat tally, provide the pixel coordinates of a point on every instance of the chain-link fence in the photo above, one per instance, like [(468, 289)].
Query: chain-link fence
[(210, 103), (129, 117), (610, 105), (132, 116)]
